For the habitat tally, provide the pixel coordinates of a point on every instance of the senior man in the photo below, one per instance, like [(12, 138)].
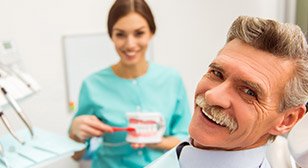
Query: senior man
[(255, 89)]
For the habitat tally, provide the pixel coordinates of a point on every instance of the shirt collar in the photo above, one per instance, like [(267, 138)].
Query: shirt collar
[(195, 157)]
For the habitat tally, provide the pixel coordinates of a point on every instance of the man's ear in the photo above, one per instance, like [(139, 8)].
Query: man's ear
[(288, 119)]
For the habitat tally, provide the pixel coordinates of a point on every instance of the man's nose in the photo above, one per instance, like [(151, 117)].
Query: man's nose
[(220, 95)]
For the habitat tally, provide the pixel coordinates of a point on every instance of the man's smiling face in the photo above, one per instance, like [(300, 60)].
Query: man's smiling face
[(237, 101)]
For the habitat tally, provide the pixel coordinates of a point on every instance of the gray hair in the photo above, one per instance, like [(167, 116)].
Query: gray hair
[(283, 40)]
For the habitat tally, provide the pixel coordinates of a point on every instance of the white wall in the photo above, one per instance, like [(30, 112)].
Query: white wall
[(189, 34)]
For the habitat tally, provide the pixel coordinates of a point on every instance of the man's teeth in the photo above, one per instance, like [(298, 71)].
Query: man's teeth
[(209, 116), (217, 116), (220, 119)]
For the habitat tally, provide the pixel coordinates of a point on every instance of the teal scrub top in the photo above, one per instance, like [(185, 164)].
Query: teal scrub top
[(110, 97)]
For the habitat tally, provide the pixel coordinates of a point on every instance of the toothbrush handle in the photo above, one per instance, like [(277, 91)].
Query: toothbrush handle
[(128, 129)]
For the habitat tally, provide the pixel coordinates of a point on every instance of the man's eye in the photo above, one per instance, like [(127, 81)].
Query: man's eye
[(217, 74), (250, 92)]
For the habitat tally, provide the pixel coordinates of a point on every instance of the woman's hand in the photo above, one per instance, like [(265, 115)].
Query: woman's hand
[(137, 145), (86, 126)]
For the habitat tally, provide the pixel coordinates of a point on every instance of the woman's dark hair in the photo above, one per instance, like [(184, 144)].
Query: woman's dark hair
[(123, 7)]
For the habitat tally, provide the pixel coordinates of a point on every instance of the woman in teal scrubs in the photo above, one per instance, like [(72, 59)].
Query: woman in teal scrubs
[(131, 85)]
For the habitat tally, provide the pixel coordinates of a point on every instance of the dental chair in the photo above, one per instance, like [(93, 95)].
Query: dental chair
[(291, 151), (278, 154), (298, 143)]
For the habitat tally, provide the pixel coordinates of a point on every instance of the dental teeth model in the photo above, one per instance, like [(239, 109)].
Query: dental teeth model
[(149, 127)]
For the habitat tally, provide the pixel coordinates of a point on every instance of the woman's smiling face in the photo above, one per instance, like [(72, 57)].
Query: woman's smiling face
[(131, 35)]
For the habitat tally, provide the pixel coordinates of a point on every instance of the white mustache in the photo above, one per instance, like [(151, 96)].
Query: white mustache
[(216, 114)]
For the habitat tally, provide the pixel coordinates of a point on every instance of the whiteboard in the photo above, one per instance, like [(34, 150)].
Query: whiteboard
[(85, 54)]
